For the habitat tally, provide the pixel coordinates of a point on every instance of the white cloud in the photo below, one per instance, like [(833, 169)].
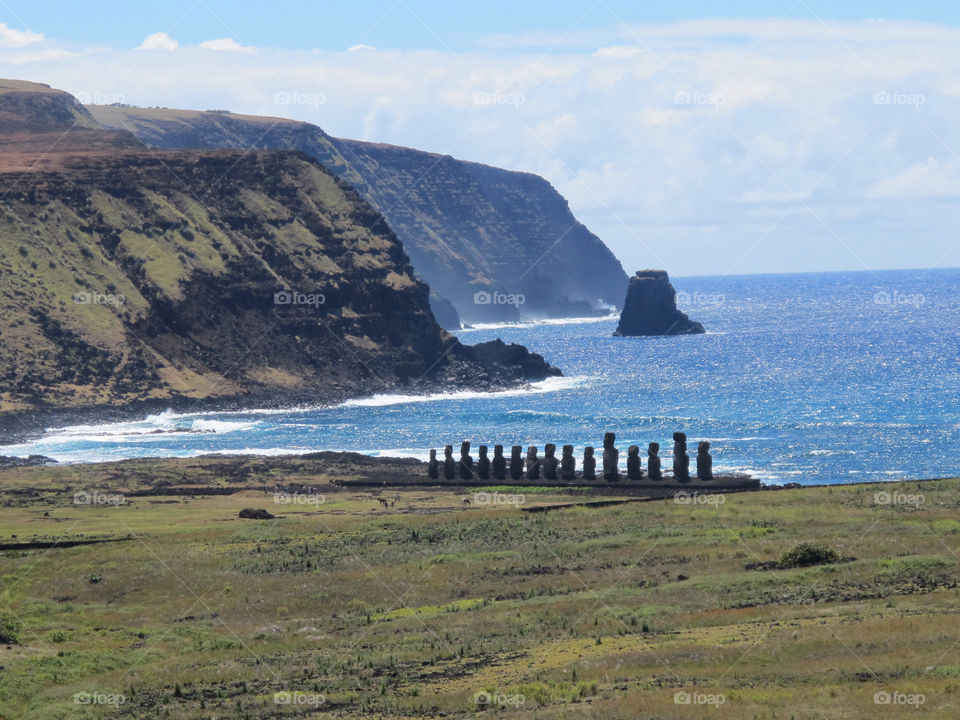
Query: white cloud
[(618, 51), (684, 145), (771, 197), (932, 179), (355, 48), (158, 41), (228, 44), (10, 38)]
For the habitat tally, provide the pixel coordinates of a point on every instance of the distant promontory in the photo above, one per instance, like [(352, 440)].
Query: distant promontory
[(650, 308)]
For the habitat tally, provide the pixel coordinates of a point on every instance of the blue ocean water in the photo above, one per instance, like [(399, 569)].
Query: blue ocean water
[(812, 378)]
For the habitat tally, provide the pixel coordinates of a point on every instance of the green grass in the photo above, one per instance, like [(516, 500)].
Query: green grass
[(432, 607)]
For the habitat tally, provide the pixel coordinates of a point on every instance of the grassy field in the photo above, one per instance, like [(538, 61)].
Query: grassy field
[(341, 607)]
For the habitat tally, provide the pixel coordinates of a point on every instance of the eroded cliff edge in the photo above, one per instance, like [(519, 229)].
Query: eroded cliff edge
[(132, 277), (468, 228)]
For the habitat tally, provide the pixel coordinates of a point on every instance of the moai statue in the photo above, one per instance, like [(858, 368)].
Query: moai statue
[(449, 464), (611, 458), (634, 471), (516, 463), (550, 462), (433, 467), (533, 463), (466, 462), (681, 461), (589, 464), (499, 463), (483, 463), (568, 464), (653, 462), (704, 461)]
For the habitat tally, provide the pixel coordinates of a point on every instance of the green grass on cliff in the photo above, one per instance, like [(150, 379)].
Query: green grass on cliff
[(639, 610), (256, 223)]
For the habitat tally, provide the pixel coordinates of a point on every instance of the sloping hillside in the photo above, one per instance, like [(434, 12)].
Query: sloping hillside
[(131, 274), (468, 228)]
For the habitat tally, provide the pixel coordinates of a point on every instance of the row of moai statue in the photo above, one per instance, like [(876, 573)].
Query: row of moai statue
[(565, 468)]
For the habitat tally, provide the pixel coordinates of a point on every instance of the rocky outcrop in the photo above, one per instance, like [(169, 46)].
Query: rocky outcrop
[(650, 308), (480, 236), (197, 277), (255, 514), (444, 312), (8, 461)]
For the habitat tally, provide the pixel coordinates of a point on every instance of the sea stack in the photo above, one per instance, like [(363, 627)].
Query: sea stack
[(651, 308)]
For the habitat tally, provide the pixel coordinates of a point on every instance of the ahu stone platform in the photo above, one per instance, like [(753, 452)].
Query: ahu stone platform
[(533, 470)]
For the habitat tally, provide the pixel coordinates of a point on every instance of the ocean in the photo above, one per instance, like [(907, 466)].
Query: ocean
[(808, 378)]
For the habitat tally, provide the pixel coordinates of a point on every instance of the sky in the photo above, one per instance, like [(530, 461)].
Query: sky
[(704, 138)]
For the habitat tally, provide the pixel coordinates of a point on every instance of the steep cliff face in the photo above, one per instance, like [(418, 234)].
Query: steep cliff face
[(495, 243), (34, 107), (650, 308), (130, 275)]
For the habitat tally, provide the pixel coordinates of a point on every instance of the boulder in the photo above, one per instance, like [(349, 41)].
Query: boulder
[(255, 514)]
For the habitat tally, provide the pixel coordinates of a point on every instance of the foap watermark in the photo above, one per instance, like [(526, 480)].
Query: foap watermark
[(296, 97), (700, 299), (685, 97), (95, 497), (499, 98), (297, 498), (95, 298), (884, 297), (895, 97), (301, 699), (496, 498), (484, 297), (687, 498), (914, 500), (885, 697), (682, 697), (94, 697), (486, 699), (295, 297), (99, 98)]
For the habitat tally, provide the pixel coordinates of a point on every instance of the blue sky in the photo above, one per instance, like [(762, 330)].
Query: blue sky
[(411, 24), (701, 137)]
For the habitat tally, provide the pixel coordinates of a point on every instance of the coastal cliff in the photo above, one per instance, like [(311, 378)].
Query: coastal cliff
[(477, 234), (132, 276), (650, 308)]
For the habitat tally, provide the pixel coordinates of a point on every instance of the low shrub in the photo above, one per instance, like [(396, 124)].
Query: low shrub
[(10, 627), (807, 554)]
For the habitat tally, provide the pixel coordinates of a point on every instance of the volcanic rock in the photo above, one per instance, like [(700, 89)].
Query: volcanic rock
[(651, 308)]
